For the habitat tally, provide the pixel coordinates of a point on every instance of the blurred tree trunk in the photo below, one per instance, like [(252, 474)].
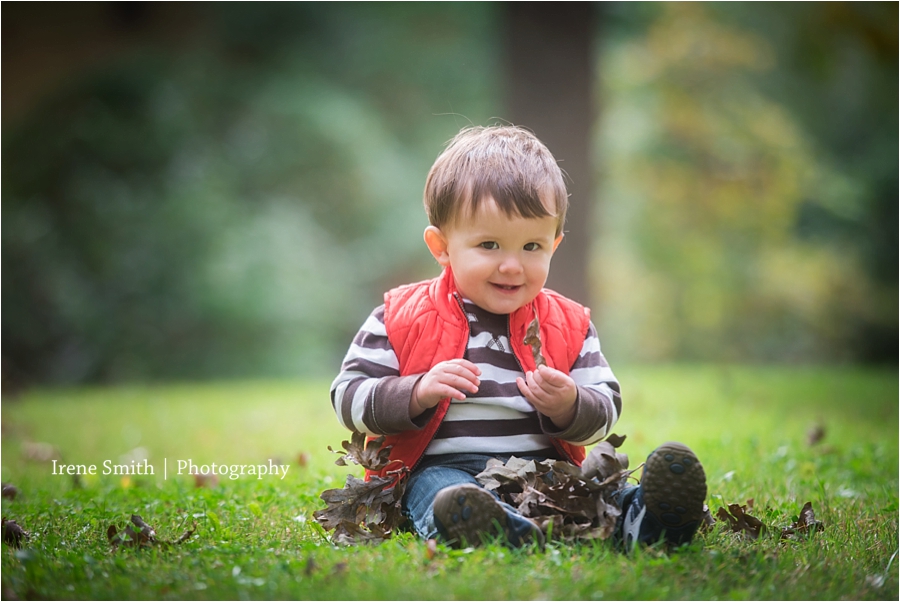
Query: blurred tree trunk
[(549, 62)]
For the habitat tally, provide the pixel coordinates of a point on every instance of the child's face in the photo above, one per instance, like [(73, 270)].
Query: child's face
[(499, 262)]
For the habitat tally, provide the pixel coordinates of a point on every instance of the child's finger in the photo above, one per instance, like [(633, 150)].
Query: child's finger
[(525, 390), (467, 365), (463, 368), (541, 385), (451, 392), (460, 382), (552, 377), (452, 373), (536, 394)]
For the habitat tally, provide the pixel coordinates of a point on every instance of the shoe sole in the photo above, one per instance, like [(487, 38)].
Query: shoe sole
[(466, 513), (674, 485)]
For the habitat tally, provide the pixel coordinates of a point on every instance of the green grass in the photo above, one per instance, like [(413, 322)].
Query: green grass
[(254, 538)]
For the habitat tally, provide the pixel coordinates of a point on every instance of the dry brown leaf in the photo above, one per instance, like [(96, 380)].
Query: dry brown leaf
[(143, 536), (616, 440), (351, 503), (10, 491), (533, 340), (368, 454), (13, 534), (741, 522), (186, 535), (127, 538), (604, 461), (140, 535), (815, 434), (804, 526), (349, 534), (513, 475), (147, 532)]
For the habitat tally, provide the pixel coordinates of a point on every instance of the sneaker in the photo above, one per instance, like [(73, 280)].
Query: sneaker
[(467, 514), (668, 504)]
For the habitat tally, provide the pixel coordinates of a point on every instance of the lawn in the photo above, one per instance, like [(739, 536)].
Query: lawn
[(254, 537)]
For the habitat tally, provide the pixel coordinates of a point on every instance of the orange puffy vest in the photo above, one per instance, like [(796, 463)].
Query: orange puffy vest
[(426, 325)]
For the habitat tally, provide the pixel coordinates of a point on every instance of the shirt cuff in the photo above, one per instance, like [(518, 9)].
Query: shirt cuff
[(590, 417), (390, 407)]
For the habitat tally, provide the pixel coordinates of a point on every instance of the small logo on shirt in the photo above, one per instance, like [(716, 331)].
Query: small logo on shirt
[(496, 343)]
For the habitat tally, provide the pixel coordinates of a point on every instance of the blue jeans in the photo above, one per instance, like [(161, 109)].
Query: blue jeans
[(437, 472)]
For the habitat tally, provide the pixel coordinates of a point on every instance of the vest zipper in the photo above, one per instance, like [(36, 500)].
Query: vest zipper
[(512, 346)]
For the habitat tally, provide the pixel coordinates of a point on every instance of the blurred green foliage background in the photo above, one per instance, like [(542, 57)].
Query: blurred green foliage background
[(226, 190)]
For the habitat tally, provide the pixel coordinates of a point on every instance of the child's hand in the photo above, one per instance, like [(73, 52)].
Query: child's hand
[(453, 378), (552, 393)]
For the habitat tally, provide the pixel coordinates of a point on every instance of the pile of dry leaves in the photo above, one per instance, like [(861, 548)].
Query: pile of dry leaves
[(566, 501), (364, 511)]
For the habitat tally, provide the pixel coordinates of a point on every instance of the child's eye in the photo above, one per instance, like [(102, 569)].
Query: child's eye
[(532, 246), (490, 245)]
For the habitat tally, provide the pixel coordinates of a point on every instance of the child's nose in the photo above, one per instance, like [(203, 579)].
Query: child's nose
[(510, 265)]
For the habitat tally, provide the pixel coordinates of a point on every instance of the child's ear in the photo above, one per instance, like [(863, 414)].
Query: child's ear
[(437, 244), (557, 241)]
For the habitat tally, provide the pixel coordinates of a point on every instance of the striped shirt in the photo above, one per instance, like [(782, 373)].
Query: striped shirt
[(371, 397)]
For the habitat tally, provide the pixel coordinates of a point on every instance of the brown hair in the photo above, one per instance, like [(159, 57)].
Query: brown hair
[(507, 163)]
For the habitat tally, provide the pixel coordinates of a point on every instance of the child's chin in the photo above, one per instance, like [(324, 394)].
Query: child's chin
[(503, 306)]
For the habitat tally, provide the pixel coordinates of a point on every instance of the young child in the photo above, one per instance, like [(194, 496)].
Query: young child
[(442, 368)]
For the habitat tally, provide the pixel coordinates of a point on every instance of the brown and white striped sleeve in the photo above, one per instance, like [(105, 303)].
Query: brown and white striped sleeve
[(599, 402), (369, 395)]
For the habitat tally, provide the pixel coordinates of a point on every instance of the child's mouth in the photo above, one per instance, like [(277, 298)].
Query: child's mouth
[(508, 288)]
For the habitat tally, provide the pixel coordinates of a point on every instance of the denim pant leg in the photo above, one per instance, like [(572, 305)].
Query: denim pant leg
[(419, 498), (425, 483)]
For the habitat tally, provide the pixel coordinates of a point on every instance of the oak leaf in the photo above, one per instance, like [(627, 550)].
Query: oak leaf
[(604, 461), (10, 491), (741, 522), (533, 340), (13, 534), (143, 536), (804, 525), (140, 535), (370, 454)]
